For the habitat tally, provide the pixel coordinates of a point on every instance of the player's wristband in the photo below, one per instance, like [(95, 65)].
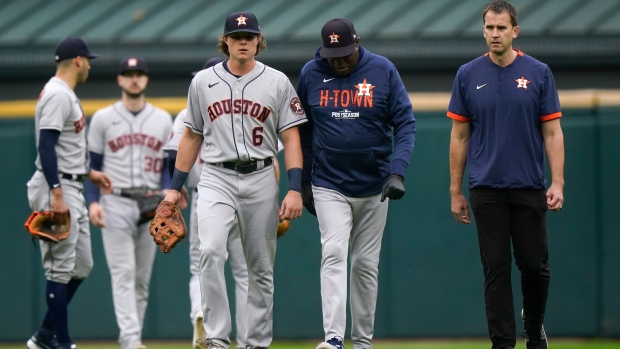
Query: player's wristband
[(178, 179), (294, 179)]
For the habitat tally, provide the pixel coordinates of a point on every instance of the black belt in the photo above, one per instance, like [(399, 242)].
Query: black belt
[(72, 177), (245, 167), (131, 193)]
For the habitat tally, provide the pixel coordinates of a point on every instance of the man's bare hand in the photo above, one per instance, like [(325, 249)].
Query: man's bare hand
[(291, 206), (96, 214), (460, 209), (101, 180)]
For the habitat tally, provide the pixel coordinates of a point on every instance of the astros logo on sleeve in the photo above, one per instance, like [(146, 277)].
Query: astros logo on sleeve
[(295, 105)]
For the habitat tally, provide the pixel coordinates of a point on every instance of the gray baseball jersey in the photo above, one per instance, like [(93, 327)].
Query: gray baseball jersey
[(178, 128), (239, 119), (58, 108), (132, 148), (235, 251), (254, 109), (132, 145)]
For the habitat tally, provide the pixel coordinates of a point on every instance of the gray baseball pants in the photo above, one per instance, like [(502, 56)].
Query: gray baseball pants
[(355, 224)]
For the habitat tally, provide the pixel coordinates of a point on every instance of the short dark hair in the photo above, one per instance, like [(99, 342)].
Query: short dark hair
[(222, 46), (500, 6)]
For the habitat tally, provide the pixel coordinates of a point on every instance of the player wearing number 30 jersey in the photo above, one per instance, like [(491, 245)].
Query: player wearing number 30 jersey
[(126, 141)]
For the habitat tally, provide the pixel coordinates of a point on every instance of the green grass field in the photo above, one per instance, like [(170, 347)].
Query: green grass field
[(562, 343)]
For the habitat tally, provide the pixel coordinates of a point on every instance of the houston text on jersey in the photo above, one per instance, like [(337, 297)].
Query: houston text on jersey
[(238, 106)]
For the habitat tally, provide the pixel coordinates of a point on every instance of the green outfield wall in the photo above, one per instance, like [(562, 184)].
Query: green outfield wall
[(430, 274)]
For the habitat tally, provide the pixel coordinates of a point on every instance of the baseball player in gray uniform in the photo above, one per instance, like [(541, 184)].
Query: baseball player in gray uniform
[(235, 253), (234, 248), (235, 111), (126, 141), (62, 165)]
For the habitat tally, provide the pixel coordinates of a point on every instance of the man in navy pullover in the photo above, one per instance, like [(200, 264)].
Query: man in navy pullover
[(356, 147)]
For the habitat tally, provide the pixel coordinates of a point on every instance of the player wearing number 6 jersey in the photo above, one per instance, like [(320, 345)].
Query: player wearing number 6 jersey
[(235, 111), (126, 141)]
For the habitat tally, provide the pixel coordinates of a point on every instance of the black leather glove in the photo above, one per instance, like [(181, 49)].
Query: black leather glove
[(307, 198), (393, 188)]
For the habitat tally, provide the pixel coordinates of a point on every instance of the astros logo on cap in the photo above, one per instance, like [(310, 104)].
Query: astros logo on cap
[(132, 62), (241, 20), (334, 38)]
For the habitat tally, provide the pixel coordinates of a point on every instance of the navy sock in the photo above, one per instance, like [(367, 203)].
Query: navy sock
[(45, 333), (72, 287), (56, 297), (48, 326)]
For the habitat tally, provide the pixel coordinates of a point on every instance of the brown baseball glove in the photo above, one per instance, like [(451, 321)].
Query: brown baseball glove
[(42, 226), (283, 227), (168, 226)]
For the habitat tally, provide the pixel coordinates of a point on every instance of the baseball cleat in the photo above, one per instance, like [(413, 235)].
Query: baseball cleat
[(66, 346), (535, 339), (334, 343), (38, 341), (199, 332), (208, 344)]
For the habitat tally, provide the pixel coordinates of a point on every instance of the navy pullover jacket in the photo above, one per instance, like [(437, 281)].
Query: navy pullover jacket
[(353, 122)]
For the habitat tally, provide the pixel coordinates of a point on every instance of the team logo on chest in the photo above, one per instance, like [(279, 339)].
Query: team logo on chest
[(363, 89), (238, 106), (132, 139), (80, 124), (360, 96), (522, 83)]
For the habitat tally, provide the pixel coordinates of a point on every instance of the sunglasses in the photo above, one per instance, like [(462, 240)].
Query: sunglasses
[(242, 36)]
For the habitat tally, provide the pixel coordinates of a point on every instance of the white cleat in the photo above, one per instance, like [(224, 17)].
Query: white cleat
[(209, 344), (334, 343), (199, 332)]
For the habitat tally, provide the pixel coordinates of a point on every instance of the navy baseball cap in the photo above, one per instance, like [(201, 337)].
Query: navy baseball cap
[(339, 37), (209, 63), (133, 64), (241, 22), (71, 47)]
